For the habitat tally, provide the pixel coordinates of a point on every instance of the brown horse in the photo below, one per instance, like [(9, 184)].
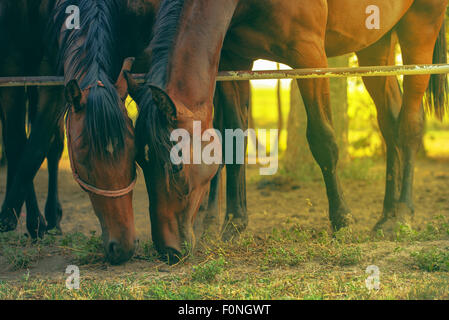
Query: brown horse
[(25, 52), (191, 35), (99, 132)]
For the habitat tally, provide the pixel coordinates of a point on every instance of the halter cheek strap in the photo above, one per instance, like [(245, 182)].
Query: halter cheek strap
[(86, 186)]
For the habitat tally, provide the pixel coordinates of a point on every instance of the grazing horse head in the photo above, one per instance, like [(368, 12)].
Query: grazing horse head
[(100, 135), (176, 190), (104, 166)]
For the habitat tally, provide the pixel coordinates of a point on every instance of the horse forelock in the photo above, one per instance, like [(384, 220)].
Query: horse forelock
[(105, 123), (90, 54)]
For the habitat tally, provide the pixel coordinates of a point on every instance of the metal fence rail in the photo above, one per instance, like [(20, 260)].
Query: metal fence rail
[(376, 71)]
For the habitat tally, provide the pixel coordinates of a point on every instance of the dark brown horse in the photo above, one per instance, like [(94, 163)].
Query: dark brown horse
[(24, 53), (99, 132), (100, 135), (191, 36)]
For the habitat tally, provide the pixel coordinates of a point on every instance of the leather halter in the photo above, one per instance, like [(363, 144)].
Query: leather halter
[(86, 186)]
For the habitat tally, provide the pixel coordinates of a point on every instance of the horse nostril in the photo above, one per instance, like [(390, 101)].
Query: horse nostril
[(116, 254), (114, 251)]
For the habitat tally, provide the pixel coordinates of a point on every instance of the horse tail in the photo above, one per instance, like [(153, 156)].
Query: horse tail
[(437, 93)]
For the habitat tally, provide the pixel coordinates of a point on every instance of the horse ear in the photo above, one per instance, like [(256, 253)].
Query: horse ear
[(73, 94), (122, 83), (132, 84), (165, 104)]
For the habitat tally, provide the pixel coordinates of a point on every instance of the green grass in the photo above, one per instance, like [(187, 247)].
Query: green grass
[(432, 259), (363, 169), (85, 249), (436, 228), (292, 263), (276, 257), (21, 252), (208, 271), (20, 258)]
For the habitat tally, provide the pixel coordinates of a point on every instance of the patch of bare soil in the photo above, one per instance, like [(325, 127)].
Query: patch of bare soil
[(275, 202)]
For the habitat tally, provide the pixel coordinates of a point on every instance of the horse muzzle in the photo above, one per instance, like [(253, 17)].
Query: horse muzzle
[(117, 254)]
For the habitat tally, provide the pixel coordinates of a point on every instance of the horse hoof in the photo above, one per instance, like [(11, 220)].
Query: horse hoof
[(37, 232), (388, 228), (211, 233), (391, 222), (342, 220), (53, 215), (233, 228), (36, 226), (208, 230), (171, 256), (54, 231), (7, 222)]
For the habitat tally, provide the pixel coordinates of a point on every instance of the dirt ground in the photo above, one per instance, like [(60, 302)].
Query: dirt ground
[(273, 203)]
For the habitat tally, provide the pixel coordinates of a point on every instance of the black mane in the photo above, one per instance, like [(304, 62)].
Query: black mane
[(152, 127), (90, 54), (164, 36)]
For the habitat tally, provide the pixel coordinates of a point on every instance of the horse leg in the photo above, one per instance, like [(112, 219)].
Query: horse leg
[(320, 132), (387, 96), (53, 209), (231, 102), (211, 218), (230, 113), (236, 111), (48, 114), (14, 133), (417, 32), (14, 138), (35, 222), (48, 144), (234, 101), (207, 222)]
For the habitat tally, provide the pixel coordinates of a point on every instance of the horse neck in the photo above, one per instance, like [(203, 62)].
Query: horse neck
[(135, 31), (196, 53)]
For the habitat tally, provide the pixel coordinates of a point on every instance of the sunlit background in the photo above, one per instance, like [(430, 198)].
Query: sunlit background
[(364, 136)]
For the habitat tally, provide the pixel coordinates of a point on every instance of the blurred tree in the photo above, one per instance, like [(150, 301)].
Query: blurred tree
[(298, 158)]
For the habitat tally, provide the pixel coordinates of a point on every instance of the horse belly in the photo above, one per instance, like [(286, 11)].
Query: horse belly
[(347, 30), (280, 29)]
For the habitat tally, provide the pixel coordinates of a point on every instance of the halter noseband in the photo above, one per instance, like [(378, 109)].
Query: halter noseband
[(84, 185)]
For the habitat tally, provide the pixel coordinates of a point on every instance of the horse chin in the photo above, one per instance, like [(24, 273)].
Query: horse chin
[(170, 256)]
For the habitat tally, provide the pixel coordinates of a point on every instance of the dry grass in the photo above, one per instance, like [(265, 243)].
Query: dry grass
[(285, 264)]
